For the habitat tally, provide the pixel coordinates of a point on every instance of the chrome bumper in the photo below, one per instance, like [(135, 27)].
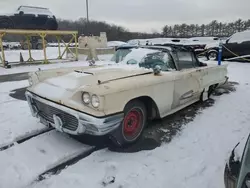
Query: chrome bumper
[(87, 124)]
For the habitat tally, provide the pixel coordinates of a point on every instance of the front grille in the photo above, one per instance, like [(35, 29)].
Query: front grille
[(45, 111)]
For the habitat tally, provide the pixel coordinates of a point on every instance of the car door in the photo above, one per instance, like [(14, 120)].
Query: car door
[(230, 47), (40, 20), (188, 80), (244, 175), (24, 20)]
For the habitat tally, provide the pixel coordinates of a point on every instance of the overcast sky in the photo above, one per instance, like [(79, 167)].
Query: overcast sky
[(142, 15)]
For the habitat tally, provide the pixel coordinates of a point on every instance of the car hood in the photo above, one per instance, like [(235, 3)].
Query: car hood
[(67, 84)]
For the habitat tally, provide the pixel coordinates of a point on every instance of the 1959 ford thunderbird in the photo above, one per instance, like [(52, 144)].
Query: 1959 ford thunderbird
[(117, 100)]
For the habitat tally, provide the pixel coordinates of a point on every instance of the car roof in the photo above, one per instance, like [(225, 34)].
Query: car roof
[(24, 6), (127, 46), (170, 47), (35, 10), (164, 47)]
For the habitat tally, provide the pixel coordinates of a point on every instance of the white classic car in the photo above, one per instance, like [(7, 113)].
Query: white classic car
[(117, 100)]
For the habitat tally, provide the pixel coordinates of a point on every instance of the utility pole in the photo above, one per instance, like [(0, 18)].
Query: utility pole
[(87, 8)]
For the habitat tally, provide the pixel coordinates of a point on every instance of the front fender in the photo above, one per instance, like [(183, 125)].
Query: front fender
[(163, 98)]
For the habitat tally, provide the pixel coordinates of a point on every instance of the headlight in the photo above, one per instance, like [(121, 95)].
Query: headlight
[(95, 101), (85, 98)]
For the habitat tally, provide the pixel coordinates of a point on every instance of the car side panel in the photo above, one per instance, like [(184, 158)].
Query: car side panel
[(23, 21), (40, 21), (160, 91), (214, 75), (230, 46), (187, 87)]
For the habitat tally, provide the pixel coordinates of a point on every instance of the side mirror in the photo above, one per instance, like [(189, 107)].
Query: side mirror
[(21, 13), (157, 70), (227, 41)]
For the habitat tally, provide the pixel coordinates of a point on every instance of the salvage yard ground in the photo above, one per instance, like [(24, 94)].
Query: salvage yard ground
[(194, 145)]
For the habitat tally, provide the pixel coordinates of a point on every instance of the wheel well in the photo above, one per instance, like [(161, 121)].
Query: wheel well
[(212, 50), (152, 108)]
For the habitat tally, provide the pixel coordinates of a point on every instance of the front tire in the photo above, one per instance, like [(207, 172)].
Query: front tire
[(213, 55), (132, 126)]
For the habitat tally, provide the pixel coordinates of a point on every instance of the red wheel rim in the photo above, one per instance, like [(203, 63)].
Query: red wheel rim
[(132, 124)]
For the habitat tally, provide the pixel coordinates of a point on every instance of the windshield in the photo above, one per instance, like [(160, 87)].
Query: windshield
[(132, 55), (162, 59)]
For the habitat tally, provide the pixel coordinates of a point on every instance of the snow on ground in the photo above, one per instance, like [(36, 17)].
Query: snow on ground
[(14, 55), (194, 159), (16, 120), (52, 53), (22, 164), (31, 68)]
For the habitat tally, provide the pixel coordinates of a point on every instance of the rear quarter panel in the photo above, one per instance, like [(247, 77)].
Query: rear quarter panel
[(214, 74)]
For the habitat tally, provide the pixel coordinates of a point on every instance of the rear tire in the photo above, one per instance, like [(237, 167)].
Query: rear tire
[(132, 126)]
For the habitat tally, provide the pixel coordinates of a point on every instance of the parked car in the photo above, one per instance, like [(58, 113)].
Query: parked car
[(238, 43), (119, 99), (199, 43), (28, 17), (237, 170)]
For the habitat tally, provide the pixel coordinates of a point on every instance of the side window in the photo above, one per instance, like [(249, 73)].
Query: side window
[(185, 60), (240, 37)]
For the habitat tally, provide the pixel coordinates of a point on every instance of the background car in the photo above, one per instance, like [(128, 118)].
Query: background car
[(236, 45), (28, 17)]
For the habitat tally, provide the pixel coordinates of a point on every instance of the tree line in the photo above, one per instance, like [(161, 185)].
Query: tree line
[(115, 32), (214, 28)]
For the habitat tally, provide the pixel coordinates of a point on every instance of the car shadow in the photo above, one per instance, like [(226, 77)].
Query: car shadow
[(18, 93)]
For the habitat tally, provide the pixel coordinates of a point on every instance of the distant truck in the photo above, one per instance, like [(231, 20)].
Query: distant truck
[(29, 17)]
